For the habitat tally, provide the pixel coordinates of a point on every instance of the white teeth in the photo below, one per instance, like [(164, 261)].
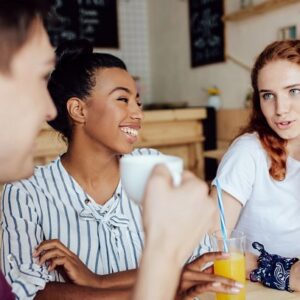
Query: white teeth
[(130, 131)]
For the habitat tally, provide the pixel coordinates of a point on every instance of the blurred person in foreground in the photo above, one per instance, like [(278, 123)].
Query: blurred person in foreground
[(26, 61)]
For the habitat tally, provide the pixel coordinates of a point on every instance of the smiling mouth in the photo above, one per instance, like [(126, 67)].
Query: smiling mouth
[(130, 131), (284, 125)]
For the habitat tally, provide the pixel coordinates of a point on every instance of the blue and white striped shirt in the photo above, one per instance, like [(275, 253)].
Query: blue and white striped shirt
[(51, 205)]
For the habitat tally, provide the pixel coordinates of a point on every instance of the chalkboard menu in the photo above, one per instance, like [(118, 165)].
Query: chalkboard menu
[(95, 20), (206, 31)]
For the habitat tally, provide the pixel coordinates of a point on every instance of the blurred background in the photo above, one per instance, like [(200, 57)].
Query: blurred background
[(191, 60)]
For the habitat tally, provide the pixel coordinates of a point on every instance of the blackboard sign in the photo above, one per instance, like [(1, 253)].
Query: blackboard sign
[(206, 31), (95, 20)]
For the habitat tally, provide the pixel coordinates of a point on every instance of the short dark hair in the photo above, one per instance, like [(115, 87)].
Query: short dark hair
[(74, 76), (16, 18)]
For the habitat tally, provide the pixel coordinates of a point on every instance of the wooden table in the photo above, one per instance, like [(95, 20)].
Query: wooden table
[(256, 291)]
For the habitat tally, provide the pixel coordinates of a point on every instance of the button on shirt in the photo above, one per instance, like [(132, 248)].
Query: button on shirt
[(51, 205)]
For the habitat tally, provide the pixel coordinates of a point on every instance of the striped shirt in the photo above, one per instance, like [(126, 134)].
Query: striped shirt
[(51, 205)]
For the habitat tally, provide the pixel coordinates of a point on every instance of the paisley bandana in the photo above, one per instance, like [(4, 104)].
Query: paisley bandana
[(273, 270)]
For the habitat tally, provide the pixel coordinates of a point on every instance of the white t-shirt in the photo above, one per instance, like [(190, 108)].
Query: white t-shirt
[(271, 208)]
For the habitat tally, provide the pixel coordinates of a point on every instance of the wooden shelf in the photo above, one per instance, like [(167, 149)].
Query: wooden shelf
[(264, 7)]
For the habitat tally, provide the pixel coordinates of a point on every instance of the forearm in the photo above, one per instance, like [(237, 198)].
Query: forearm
[(125, 279), (158, 275), (68, 291)]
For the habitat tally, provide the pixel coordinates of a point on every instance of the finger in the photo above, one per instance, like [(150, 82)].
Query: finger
[(50, 254), (215, 287), (50, 244), (201, 277), (60, 261), (60, 252), (44, 244), (206, 258), (55, 243), (208, 270), (159, 172), (188, 176)]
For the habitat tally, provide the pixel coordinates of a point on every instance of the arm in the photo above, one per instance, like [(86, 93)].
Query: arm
[(124, 279), (55, 254), (232, 209), (168, 215), (21, 233), (237, 177), (159, 273), (68, 291)]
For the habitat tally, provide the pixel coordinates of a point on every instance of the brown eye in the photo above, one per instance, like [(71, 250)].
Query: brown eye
[(123, 99)]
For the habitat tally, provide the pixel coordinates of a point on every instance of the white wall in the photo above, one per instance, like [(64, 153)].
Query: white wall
[(172, 77), (134, 42)]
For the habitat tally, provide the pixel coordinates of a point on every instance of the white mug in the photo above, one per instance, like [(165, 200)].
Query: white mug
[(136, 170)]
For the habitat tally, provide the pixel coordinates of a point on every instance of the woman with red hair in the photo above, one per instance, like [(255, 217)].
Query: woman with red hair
[(260, 173)]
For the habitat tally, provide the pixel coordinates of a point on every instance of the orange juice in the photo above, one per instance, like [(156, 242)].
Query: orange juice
[(234, 268)]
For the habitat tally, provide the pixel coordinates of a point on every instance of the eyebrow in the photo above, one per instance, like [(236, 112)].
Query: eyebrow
[(293, 85), (265, 91), (121, 88), (286, 88)]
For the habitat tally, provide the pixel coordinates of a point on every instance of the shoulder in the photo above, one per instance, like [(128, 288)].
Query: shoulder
[(40, 173), (248, 142), (245, 150), (143, 151)]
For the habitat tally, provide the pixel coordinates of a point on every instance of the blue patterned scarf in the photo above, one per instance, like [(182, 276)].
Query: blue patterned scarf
[(273, 270)]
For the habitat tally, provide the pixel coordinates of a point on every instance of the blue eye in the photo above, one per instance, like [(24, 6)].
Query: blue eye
[(294, 92), (267, 96)]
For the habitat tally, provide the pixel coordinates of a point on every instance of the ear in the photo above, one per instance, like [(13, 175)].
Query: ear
[(76, 110)]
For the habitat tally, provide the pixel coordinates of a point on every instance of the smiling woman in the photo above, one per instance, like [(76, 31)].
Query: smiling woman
[(79, 206)]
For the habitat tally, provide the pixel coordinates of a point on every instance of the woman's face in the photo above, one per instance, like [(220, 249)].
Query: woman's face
[(279, 90), (25, 104), (114, 112)]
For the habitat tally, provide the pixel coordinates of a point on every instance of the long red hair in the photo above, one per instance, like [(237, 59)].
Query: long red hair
[(274, 145)]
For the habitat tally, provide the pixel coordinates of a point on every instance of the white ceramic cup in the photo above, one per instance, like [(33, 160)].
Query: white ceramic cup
[(136, 170)]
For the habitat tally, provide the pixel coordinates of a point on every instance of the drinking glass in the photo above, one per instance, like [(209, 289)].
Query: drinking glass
[(233, 267)]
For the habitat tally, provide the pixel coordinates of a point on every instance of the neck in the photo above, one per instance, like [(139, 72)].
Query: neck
[(293, 148), (95, 170)]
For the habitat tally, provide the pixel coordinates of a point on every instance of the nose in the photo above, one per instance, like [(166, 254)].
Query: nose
[(282, 106), (136, 112), (51, 111)]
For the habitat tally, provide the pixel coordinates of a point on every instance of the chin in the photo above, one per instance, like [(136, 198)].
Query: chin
[(126, 150), (25, 171), (288, 136), (12, 176), (13, 169)]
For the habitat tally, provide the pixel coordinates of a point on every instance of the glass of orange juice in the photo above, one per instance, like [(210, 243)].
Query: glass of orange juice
[(233, 267)]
